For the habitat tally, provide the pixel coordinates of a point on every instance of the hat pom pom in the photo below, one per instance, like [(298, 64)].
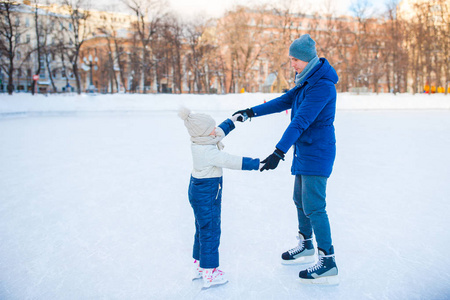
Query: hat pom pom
[(184, 113)]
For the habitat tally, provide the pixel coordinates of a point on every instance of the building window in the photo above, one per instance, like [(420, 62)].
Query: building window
[(42, 69), (28, 38), (27, 22)]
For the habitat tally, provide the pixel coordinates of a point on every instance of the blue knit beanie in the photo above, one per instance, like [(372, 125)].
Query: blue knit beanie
[(303, 48)]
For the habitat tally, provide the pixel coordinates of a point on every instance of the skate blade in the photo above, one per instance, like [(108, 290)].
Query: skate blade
[(327, 280), (212, 285), (197, 276), (303, 260)]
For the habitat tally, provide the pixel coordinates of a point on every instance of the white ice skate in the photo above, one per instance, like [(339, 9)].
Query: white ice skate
[(213, 277)]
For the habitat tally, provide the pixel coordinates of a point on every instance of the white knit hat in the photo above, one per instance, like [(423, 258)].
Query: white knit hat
[(197, 124)]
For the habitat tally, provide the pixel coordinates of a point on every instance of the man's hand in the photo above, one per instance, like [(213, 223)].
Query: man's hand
[(235, 117), (246, 113), (271, 162)]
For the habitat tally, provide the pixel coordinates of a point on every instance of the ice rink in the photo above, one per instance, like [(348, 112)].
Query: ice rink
[(93, 202)]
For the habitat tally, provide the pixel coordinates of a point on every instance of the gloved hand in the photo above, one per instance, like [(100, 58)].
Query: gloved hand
[(271, 162), (246, 113), (235, 117)]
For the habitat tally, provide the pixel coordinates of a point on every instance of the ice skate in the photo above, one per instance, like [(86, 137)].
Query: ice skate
[(213, 277), (302, 254), (324, 272), (198, 271)]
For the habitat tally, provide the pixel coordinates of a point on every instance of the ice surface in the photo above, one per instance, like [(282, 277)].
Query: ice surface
[(93, 200)]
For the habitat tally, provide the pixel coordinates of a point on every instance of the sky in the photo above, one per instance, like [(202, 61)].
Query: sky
[(215, 8), (218, 7)]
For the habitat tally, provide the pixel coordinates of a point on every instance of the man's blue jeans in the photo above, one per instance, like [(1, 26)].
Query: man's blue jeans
[(309, 197)]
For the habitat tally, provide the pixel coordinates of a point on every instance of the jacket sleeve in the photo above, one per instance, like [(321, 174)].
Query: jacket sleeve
[(279, 104), (315, 100), (227, 126), (225, 160)]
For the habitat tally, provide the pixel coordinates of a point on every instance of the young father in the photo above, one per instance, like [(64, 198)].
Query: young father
[(311, 132)]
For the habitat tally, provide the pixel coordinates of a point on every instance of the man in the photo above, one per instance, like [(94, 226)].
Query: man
[(311, 132)]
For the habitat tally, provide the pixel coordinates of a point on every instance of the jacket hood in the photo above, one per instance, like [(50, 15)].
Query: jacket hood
[(323, 70)]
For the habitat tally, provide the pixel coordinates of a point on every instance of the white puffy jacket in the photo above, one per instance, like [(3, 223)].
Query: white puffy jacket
[(209, 160)]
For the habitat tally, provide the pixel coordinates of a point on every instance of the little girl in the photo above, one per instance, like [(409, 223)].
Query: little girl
[(205, 189)]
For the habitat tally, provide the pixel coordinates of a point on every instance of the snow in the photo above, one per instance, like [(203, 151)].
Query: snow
[(93, 200)]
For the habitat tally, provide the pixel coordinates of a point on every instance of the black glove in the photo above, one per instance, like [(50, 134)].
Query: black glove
[(246, 113), (271, 162)]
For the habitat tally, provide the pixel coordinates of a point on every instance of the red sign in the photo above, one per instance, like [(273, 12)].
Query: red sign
[(35, 77)]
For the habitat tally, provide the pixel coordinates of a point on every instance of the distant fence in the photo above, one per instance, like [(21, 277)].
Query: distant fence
[(359, 90)]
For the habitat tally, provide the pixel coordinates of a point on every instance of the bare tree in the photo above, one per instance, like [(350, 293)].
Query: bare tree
[(174, 36), (441, 10), (335, 39), (242, 34), (445, 42), (149, 15), (49, 53), (110, 66), (288, 28), (50, 50), (41, 41), (422, 46), (10, 32), (395, 57), (203, 59), (117, 57), (359, 67), (77, 31)]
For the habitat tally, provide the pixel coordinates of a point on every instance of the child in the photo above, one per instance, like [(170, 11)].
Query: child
[(205, 189)]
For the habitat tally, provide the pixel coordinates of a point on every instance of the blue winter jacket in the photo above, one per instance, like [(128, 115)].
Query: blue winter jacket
[(311, 131)]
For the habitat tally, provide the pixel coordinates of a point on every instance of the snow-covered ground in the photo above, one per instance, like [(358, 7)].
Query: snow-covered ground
[(93, 200)]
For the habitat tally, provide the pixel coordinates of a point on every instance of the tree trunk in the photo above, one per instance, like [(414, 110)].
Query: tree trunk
[(10, 77), (77, 77)]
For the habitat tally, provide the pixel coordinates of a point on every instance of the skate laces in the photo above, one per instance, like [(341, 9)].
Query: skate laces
[(317, 266), (299, 247), (296, 250), (214, 274), (319, 263)]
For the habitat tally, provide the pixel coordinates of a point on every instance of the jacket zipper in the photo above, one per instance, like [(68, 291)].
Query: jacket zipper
[(218, 191)]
